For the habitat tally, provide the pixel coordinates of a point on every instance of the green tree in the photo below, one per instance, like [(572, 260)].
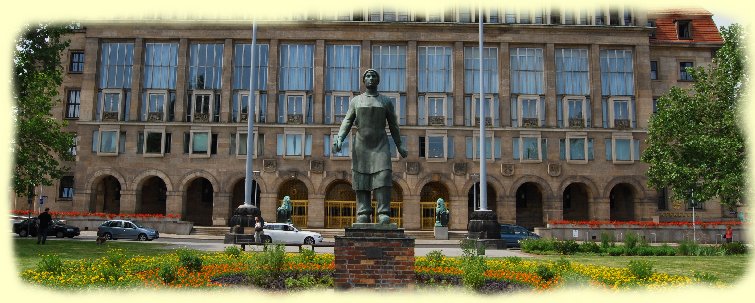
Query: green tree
[(40, 143), (695, 140)]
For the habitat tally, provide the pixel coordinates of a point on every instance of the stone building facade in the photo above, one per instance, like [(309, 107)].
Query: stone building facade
[(160, 117)]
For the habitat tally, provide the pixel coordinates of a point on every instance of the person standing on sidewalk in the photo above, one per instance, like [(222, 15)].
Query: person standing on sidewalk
[(44, 224), (729, 234), (258, 230)]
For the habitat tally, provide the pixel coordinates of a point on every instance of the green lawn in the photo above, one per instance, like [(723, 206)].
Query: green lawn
[(28, 253), (728, 269)]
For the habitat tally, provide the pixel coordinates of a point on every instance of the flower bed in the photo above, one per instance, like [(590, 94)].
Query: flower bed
[(662, 232), (275, 269), (105, 216)]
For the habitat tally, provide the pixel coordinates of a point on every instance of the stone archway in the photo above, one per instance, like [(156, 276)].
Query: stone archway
[(152, 196), (529, 205), (106, 196), (622, 202), (428, 198), (297, 191), (340, 205), (575, 200), (199, 202)]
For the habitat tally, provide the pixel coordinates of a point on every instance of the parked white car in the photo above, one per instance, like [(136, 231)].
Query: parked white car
[(287, 233)]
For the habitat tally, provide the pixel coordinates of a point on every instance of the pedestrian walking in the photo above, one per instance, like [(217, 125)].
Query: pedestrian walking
[(44, 224)]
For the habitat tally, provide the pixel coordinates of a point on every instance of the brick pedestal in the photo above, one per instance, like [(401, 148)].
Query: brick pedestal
[(374, 258)]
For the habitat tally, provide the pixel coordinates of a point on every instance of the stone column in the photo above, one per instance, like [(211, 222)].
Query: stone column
[(507, 211), (458, 83), (600, 209), (89, 85), (174, 203), (221, 208), (81, 199), (319, 81), (316, 211), (459, 213), (268, 206), (272, 87), (411, 212), (596, 102), (411, 83), (365, 60), (550, 85), (643, 91), (128, 202), (136, 81), (227, 82), (504, 84), (181, 77), (552, 209)]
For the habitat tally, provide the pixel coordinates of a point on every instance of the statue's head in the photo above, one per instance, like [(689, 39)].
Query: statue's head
[(375, 77), (441, 203)]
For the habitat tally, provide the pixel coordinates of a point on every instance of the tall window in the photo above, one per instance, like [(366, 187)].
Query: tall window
[(390, 62), (242, 70), (685, 75), (472, 86), (65, 187), (77, 62), (435, 85), (653, 70), (617, 78), (73, 103), (573, 87), (160, 69), (205, 81), (527, 82), (342, 78), (295, 80), (114, 95)]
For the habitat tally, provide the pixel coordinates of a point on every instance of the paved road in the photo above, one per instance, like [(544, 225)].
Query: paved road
[(215, 243)]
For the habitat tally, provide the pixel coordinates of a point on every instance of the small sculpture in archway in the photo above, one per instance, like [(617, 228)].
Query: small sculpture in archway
[(284, 211), (441, 213)]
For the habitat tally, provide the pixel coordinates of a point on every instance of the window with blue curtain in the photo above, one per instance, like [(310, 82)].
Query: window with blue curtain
[(242, 71), (390, 62), (616, 72), (160, 69), (116, 65), (527, 71), (296, 67), (572, 72), (205, 66), (435, 69), (577, 148), (623, 150), (342, 68), (472, 84)]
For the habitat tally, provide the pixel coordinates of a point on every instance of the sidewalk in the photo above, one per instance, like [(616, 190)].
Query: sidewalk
[(215, 243)]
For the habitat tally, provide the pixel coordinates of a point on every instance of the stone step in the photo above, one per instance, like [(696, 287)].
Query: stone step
[(331, 233)]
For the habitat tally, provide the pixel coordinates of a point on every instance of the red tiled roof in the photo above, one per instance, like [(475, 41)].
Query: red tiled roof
[(703, 27)]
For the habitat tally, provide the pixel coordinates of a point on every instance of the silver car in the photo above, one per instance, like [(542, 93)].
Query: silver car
[(125, 229)]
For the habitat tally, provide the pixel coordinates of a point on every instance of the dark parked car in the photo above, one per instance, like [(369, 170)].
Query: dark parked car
[(58, 228), (120, 229), (514, 233)]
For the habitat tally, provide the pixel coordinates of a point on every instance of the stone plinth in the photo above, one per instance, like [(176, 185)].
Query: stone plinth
[(373, 256), (441, 232)]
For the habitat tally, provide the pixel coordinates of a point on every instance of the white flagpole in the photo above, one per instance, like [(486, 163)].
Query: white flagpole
[(483, 159), (250, 112)]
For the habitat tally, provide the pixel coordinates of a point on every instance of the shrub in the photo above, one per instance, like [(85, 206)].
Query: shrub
[(615, 251), (688, 248), (168, 273), (112, 274), (589, 247), (115, 257), (646, 251), (545, 272), (473, 265), (562, 264), (435, 258), (606, 240), (273, 258), (568, 247), (50, 263), (233, 251), (308, 282), (537, 245), (734, 248), (665, 250), (189, 259), (307, 255), (631, 240), (640, 269)]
